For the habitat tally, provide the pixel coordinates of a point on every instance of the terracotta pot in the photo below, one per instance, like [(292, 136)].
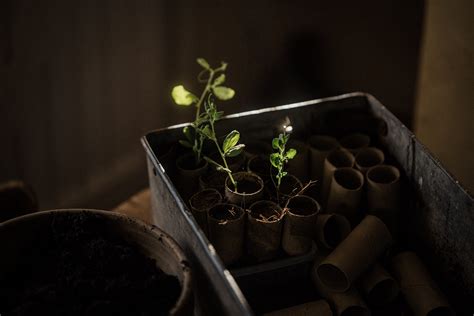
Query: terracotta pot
[(227, 231), (417, 286), (355, 142), (367, 158), (320, 147), (23, 232), (249, 189), (299, 166), (378, 286), (331, 230), (345, 193), (320, 308), (200, 203), (355, 254), (299, 224), (348, 303), (264, 226), (338, 158), (187, 175), (383, 187)]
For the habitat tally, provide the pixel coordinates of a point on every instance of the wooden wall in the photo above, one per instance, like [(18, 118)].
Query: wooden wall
[(85, 79)]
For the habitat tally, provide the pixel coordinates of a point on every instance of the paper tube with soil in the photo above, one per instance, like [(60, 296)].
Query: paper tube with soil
[(348, 303), (320, 147), (417, 286), (200, 203), (319, 308), (249, 189), (345, 193), (367, 158), (331, 230), (355, 142), (227, 231), (261, 166), (299, 165), (355, 254), (378, 286), (338, 158), (290, 186), (187, 175), (264, 226), (299, 225)]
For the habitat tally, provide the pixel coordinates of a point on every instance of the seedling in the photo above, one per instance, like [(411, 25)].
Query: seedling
[(181, 96), (281, 157), (230, 146)]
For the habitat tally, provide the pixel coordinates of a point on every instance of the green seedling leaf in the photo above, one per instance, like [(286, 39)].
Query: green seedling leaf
[(223, 93), (275, 143), (230, 140), (235, 151), (291, 153), (283, 174), (204, 64), (219, 80), (181, 96), (219, 115), (275, 160), (188, 133), (207, 132), (185, 143)]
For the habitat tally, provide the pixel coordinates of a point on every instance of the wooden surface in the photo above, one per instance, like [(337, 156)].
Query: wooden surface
[(137, 206)]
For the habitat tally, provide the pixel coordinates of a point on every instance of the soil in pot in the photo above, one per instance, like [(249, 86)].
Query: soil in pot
[(227, 231), (200, 204), (249, 189), (81, 270), (265, 222)]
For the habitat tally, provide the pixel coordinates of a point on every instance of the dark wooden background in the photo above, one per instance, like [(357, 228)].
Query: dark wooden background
[(81, 81)]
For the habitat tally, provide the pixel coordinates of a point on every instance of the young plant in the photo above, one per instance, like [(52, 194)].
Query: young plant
[(181, 96), (281, 157), (230, 146)]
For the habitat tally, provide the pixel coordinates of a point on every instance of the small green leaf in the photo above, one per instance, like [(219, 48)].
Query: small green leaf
[(275, 143), (223, 93), (219, 115), (284, 173), (188, 133), (223, 66), (230, 140), (207, 131), (291, 153), (183, 97), (219, 80), (235, 151), (204, 64), (185, 143), (274, 160)]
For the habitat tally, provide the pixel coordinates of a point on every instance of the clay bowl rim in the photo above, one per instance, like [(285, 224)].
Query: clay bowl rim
[(186, 294)]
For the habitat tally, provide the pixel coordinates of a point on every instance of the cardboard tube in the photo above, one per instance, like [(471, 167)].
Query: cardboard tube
[(417, 286), (187, 178), (200, 203), (320, 308), (367, 158), (355, 254), (320, 147), (227, 231), (299, 224), (331, 230), (345, 193), (299, 166), (355, 142), (338, 158), (264, 234), (348, 303), (378, 286), (245, 181), (383, 187)]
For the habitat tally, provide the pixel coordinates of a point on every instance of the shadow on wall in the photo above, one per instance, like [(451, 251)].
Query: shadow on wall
[(86, 79)]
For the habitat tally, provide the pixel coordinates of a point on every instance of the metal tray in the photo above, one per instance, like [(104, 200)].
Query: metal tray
[(439, 214)]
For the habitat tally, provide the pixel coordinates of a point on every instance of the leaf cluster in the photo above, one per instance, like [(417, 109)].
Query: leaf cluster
[(281, 157)]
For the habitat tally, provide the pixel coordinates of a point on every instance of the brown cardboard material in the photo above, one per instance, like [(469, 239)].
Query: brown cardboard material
[(299, 165), (244, 199), (227, 231), (418, 288), (200, 203), (320, 308), (264, 233), (299, 224), (338, 158), (355, 254), (355, 142), (345, 193), (187, 180), (331, 230), (320, 147), (378, 286), (367, 158), (383, 187)]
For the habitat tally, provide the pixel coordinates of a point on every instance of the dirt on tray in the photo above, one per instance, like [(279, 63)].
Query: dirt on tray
[(83, 268)]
